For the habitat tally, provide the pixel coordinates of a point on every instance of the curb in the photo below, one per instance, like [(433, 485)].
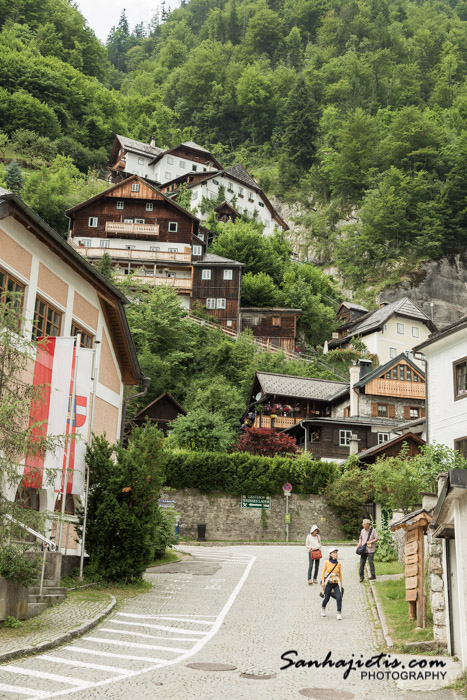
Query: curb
[(381, 617), (45, 646)]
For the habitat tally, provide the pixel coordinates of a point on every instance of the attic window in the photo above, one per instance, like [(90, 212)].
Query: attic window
[(276, 321), (149, 206), (135, 186), (120, 205), (173, 227)]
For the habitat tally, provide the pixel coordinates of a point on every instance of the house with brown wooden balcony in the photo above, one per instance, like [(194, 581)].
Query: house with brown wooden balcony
[(335, 419), (272, 326)]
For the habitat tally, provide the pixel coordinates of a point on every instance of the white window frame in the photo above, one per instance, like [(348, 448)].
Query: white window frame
[(230, 187), (345, 437), (170, 160), (105, 243), (168, 176), (120, 204), (182, 164), (400, 328), (392, 353), (382, 438), (194, 168), (86, 242), (229, 323), (228, 274), (197, 250), (194, 195), (173, 250), (221, 303), (149, 206), (211, 303), (206, 274), (140, 161), (135, 186), (93, 222), (173, 226), (415, 332), (140, 221), (130, 247), (414, 409), (201, 236), (128, 221)]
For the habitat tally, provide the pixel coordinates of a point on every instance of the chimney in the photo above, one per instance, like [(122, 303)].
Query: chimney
[(365, 368), (354, 440), (354, 378), (152, 141)]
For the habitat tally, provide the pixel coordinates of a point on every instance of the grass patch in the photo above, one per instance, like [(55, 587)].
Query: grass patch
[(385, 568), (460, 684), (167, 558), (391, 595)]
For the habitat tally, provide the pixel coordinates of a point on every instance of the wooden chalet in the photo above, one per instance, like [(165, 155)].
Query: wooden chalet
[(392, 448), (161, 412), (217, 286), (348, 312), (273, 326)]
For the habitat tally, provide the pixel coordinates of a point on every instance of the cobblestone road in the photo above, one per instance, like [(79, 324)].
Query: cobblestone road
[(241, 606)]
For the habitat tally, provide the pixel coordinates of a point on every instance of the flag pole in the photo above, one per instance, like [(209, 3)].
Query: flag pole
[(70, 434), (95, 372)]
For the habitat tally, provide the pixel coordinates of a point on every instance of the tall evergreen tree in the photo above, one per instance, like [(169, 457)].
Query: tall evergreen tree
[(14, 177), (301, 125)]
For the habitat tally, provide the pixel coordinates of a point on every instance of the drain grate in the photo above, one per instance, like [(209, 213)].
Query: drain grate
[(258, 676), (326, 694), (212, 667)]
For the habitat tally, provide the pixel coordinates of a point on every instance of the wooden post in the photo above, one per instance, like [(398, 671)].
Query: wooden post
[(420, 596), (411, 571)]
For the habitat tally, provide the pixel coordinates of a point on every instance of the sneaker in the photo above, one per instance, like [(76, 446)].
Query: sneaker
[(310, 581), (323, 612), (315, 580), (362, 580), (372, 578), (339, 616)]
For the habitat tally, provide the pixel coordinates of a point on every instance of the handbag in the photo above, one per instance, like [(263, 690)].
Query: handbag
[(333, 592), (316, 554), (321, 595), (362, 548)]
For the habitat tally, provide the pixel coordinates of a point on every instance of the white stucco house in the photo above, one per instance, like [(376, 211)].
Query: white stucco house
[(446, 357)]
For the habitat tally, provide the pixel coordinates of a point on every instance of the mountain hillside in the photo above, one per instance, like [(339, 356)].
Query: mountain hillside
[(354, 108)]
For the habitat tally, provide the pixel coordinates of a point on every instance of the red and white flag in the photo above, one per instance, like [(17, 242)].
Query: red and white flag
[(54, 371)]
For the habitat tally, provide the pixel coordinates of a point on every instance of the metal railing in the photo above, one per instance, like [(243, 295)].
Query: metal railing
[(133, 254), (45, 541)]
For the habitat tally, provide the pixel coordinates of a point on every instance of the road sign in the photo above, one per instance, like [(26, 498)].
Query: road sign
[(287, 488), (256, 502), (287, 517)]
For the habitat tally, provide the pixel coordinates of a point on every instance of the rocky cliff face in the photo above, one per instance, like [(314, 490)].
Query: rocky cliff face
[(439, 288)]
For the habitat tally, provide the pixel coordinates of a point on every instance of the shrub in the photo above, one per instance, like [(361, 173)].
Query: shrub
[(243, 473), (265, 441), (386, 549), (164, 533), (16, 567), (347, 496)]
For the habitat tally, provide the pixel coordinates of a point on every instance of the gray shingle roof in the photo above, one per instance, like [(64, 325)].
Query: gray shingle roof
[(192, 144), (376, 319), (357, 307), (139, 146), (240, 173), (211, 259), (299, 387)]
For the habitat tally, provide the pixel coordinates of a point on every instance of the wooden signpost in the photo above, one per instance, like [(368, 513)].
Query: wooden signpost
[(415, 526)]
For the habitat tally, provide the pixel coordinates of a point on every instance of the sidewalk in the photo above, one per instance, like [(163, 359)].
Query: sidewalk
[(80, 612)]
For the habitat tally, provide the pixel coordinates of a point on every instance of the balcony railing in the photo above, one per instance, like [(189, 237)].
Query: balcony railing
[(127, 254), (178, 283), (280, 422), (121, 227), (390, 387)]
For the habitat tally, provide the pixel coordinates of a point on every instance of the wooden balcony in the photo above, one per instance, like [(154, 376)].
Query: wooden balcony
[(126, 254), (117, 227), (397, 388), (280, 422), (178, 283)]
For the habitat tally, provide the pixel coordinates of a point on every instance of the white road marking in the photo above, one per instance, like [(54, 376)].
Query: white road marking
[(81, 664), (141, 634), (47, 676), (132, 645), (179, 630), (157, 663), (23, 691), (136, 624), (184, 619), (93, 652)]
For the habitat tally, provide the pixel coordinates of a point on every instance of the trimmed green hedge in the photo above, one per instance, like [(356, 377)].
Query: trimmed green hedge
[(243, 473)]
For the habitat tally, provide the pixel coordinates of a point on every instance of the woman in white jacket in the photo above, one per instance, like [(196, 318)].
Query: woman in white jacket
[(313, 544)]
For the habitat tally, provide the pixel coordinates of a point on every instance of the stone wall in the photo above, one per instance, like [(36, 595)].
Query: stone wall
[(226, 520), (437, 598)]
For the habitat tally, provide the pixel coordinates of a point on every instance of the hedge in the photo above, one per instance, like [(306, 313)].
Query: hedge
[(243, 473)]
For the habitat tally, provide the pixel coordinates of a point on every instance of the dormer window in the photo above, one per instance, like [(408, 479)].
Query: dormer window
[(135, 186)]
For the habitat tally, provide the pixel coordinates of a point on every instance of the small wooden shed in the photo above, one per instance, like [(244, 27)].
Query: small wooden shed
[(161, 412), (415, 526)]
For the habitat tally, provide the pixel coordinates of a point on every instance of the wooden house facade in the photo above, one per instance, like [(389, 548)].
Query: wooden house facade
[(217, 286), (161, 412), (276, 327)]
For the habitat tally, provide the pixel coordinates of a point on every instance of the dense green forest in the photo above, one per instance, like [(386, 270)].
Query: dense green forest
[(350, 107)]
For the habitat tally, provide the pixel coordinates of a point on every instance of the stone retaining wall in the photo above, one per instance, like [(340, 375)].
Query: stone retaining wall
[(226, 520)]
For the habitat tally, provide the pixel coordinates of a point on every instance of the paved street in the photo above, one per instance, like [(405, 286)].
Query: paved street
[(240, 606)]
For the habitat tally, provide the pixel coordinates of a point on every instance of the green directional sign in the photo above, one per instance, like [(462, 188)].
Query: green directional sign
[(287, 518), (256, 502)]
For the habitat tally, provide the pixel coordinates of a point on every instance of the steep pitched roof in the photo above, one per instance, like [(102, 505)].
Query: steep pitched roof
[(161, 396), (383, 446), (350, 305), (378, 371), (299, 387), (138, 146), (239, 172), (192, 144), (374, 320)]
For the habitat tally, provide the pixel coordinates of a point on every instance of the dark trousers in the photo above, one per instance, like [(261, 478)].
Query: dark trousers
[(327, 595), (363, 557), (310, 566)]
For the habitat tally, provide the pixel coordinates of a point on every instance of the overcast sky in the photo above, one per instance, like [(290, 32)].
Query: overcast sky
[(104, 14)]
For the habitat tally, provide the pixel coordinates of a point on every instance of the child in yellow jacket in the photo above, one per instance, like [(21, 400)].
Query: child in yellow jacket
[(331, 580)]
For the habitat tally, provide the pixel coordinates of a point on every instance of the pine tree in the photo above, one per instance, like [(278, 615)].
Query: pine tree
[(301, 125), (14, 177)]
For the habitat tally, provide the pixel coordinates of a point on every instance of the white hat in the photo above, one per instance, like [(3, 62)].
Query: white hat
[(332, 549)]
